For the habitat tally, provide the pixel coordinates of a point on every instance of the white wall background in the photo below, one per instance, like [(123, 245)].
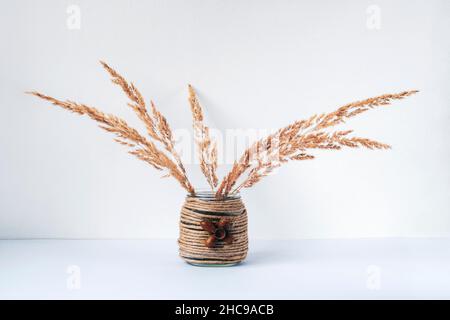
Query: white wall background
[(256, 64)]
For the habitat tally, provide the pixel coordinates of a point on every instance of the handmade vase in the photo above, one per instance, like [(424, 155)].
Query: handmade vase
[(213, 232)]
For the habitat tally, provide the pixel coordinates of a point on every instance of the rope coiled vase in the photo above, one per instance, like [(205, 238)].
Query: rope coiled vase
[(213, 232)]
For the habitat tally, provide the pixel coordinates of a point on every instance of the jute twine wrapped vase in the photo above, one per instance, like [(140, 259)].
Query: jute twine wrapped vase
[(213, 232)]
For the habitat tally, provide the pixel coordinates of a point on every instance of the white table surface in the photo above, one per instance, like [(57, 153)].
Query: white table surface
[(300, 269)]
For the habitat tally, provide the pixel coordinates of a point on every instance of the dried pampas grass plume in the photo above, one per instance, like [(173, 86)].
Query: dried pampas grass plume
[(155, 123), (207, 150)]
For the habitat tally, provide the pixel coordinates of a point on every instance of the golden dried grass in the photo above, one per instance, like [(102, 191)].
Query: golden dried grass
[(207, 149), (293, 141), (156, 124), (142, 148)]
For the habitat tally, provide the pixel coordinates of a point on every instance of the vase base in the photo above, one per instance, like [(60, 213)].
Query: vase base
[(213, 265)]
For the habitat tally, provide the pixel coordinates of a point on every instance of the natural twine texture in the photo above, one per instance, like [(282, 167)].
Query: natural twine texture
[(192, 236)]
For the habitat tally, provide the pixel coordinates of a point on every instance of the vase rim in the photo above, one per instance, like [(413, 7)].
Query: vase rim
[(208, 194)]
